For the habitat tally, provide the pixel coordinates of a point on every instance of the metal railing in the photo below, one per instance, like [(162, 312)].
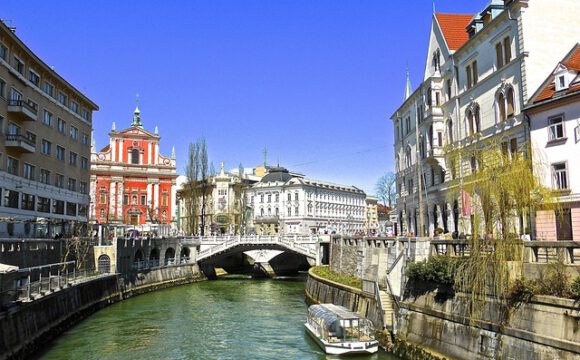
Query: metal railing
[(544, 252), (25, 104), (21, 138)]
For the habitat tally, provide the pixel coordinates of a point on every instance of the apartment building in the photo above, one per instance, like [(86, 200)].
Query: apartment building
[(45, 143), (554, 114), (480, 71)]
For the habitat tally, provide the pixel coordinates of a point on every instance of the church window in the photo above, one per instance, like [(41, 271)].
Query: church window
[(134, 156)]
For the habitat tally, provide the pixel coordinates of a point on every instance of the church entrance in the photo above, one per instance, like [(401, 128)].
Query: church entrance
[(134, 220)]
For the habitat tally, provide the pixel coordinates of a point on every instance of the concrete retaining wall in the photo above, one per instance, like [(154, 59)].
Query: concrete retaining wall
[(26, 327), (322, 291), (546, 328)]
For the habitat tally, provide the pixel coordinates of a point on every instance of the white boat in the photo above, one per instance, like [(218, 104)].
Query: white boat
[(338, 330)]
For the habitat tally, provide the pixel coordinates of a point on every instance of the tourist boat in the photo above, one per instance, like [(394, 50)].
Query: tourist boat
[(340, 331)]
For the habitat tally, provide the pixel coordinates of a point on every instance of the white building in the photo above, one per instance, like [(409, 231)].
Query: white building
[(480, 71), (554, 115), (292, 204)]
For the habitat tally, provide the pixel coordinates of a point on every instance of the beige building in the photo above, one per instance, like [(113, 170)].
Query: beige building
[(371, 216), (45, 143)]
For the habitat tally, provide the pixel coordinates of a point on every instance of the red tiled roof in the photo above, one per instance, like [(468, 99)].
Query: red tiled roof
[(106, 148), (454, 27), (572, 62)]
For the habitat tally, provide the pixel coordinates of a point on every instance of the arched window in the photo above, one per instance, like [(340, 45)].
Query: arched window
[(430, 139), (449, 131), (134, 156), (501, 107), (408, 159), (510, 102), (429, 97), (477, 119), (470, 122)]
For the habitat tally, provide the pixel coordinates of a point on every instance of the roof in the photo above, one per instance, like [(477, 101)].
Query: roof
[(453, 27), (547, 90), (277, 174)]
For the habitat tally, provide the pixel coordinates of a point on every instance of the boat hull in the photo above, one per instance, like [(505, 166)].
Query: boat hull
[(346, 347)]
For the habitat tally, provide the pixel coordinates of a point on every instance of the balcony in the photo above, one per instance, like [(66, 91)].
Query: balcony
[(23, 109), (20, 143)]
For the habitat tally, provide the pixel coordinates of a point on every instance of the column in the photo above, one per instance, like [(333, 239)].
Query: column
[(172, 201), (120, 200), (149, 155), (121, 151), (156, 154), (112, 145), (156, 195), (149, 194), (112, 199)]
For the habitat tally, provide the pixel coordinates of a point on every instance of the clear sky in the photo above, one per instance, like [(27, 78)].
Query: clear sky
[(312, 81)]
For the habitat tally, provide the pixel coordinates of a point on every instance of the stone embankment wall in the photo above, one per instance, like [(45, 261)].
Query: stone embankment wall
[(545, 328), (27, 326), (323, 291)]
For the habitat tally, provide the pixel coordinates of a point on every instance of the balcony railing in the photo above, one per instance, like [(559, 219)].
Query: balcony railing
[(25, 109), (20, 142)]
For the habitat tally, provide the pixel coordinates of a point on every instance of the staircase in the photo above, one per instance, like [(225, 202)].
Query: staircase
[(388, 308)]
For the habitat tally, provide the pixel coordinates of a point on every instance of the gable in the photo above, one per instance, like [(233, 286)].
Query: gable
[(436, 43), (136, 131)]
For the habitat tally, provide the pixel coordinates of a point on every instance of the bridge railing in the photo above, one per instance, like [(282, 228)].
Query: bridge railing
[(544, 252)]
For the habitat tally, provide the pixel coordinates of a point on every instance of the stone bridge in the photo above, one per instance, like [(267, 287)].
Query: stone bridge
[(265, 255)]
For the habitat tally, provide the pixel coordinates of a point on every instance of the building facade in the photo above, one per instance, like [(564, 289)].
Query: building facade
[(45, 127), (554, 115), (481, 69), (131, 181), (287, 203), (371, 216)]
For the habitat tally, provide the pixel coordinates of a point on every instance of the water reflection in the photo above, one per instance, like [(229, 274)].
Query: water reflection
[(234, 319)]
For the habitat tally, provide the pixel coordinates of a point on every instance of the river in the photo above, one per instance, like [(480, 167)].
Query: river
[(233, 318)]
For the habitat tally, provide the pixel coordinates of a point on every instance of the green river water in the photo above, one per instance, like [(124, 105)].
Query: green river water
[(224, 319)]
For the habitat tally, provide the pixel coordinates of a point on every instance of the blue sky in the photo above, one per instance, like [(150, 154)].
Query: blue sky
[(312, 81)]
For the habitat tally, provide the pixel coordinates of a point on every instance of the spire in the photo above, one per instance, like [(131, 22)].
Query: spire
[(408, 89), (433, 6), (113, 127), (173, 152), (156, 130), (222, 171), (137, 114)]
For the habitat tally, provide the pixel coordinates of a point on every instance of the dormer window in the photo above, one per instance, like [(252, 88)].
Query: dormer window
[(561, 82)]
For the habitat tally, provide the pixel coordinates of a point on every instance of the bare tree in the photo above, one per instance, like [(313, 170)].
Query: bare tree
[(386, 188), (198, 186)]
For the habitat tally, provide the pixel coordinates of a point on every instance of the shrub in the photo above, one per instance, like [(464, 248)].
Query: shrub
[(520, 292), (554, 281), (440, 270), (575, 287)]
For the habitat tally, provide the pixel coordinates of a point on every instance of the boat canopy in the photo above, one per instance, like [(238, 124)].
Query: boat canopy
[(329, 314)]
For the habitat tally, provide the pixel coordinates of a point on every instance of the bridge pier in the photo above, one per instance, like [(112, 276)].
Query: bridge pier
[(263, 270)]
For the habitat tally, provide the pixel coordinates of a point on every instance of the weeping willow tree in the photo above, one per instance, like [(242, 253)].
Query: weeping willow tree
[(499, 191)]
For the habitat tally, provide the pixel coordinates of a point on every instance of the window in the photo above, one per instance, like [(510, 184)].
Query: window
[(261, 198), (58, 207), (45, 176), (513, 148), (439, 138), (510, 102), (125, 199), (453, 170), (33, 77), (59, 181), (74, 133), (135, 156), (289, 197), (29, 171), (560, 176), (164, 199), (43, 204), (71, 209), (48, 89), (277, 197), (296, 196), (289, 211), (46, 147), (507, 50), (72, 184), (32, 137), (61, 125), (296, 211), (2, 88), (19, 65), (11, 198), (448, 86), (143, 200), (85, 139), (409, 186), (408, 157), (85, 114), (475, 75), (3, 52), (564, 224), (450, 131), (556, 128), (501, 107), (15, 96), (74, 106), (60, 153), (72, 159), (269, 197), (27, 202), (84, 163), (62, 98), (469, 80), (473, 164), (12, 165), (47, 118), (499, 55)]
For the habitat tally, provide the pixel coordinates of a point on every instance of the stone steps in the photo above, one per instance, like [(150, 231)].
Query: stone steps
[(388, 307)]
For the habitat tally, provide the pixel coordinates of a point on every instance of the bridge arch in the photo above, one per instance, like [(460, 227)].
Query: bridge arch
[(154, 257), (184, 256), (169, 256)]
